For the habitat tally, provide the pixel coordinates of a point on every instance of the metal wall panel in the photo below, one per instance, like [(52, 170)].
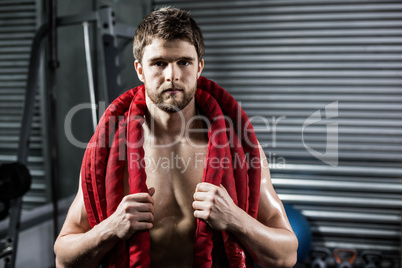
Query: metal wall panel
[(284, 61), (18, 23)]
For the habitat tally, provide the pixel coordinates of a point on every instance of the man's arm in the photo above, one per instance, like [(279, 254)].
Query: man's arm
[(269, 239), (79, 245)]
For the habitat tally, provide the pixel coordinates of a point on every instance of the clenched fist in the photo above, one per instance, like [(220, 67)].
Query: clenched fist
[(214, 205), (134, 213)]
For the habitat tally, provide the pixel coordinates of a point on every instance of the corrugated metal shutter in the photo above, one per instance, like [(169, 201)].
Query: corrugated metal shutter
[(18, 24), (284, 60)]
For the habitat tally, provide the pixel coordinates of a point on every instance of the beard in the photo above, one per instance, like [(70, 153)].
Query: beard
[(174, 102)]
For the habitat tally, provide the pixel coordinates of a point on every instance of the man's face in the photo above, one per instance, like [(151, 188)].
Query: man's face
[(169, 71)]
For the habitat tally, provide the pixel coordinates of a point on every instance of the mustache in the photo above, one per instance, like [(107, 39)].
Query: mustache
[(171, 86)]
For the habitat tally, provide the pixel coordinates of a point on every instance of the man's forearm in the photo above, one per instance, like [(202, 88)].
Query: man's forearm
[(84, 249), (269, 247)]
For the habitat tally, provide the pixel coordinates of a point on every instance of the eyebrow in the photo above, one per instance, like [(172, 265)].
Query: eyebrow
[(165, 59)]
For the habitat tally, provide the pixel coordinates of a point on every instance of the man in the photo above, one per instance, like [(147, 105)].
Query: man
[(168, 48)]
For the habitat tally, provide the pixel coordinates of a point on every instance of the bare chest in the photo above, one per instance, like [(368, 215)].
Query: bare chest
[(174, 173)]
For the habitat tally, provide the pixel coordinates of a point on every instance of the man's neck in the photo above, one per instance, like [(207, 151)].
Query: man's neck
[(167, 127)]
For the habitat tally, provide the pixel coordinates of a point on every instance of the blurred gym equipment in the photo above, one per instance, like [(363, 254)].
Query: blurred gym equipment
[(15, 178), (322, 258), (345, 258)]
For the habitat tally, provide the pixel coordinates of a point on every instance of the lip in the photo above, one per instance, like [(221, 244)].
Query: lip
[(172, 90)]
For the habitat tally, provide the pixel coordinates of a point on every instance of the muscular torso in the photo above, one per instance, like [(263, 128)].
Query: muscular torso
[(174, 171), (174, 178)]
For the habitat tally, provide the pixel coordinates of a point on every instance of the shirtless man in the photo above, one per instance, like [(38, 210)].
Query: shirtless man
[(177, 196)]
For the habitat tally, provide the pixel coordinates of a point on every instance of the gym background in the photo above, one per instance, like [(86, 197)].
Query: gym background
[(321, 81)]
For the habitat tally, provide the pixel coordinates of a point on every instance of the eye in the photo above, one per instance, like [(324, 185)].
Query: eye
[(184, 63), (159, 63)]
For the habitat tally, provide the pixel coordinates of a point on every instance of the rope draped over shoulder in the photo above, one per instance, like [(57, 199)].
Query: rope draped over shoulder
[(118, 139)]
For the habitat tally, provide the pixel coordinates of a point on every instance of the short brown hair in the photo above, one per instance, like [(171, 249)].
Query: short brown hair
[(167, 23)]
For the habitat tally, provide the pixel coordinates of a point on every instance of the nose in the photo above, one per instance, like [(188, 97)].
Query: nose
[(171, 73)]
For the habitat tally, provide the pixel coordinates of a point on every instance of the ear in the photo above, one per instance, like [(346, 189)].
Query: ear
[(139, 70), (200, 68)]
